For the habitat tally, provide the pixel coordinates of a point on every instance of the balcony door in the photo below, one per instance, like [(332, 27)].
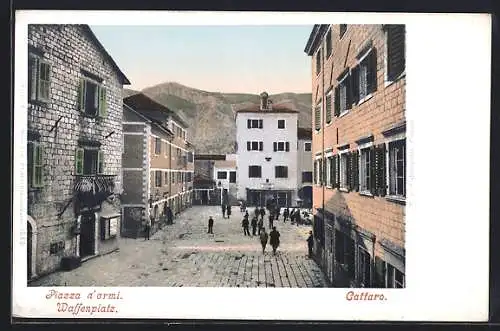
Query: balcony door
[(90, 162), (87, 234)]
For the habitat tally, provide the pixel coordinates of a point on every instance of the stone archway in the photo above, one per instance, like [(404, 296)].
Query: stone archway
[(32, 233)]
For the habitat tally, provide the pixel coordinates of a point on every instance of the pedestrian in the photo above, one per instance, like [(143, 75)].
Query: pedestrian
[(170, 215), (271, 220), (223, 211), (257, 212), (285, 214), (210, 225), (246, 214), (263, 239), (298, 220), (278, 211), (244, 224), (147, 225), (310, 244), (262, 212), (254, 226), (228, 208), (274, 239), (292, 216), (260, 225)]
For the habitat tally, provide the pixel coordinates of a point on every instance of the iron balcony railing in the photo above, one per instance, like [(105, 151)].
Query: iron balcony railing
[(92, 190)]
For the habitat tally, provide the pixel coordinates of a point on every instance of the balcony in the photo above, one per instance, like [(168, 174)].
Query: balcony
[(92, 190)]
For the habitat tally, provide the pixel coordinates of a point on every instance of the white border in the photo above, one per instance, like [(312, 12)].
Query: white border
[(447, 209)]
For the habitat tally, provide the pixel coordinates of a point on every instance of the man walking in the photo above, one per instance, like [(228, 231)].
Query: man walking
[(147, 225), (263, 239), (244, 224), (223, 211), (274, 239), (228, 208), (285, 214), (170, 215), (271, 220), (260, 225), (310, 244), (210, 225), (262, 212), (254, 226)]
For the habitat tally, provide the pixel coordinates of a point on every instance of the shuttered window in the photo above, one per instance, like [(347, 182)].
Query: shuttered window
[(317, 116), (35, 164), (328, 44), (255, 145), (39, 77), (365, 169), (281, 172), (255, 171), (281, 146), (343, 95), (364, 268), (397, 168), (328, 106), (158, 179), (318, 62), (92, 98), (395, 51), (364, 76), (344, 171)]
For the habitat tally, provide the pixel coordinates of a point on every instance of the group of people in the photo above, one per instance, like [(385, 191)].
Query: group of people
[(148, 222), (226, 210)]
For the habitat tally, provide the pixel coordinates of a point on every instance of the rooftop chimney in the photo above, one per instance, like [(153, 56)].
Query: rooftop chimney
[(263, 100)]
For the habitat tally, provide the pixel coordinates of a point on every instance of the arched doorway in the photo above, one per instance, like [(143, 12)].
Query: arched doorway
[(31, 247)]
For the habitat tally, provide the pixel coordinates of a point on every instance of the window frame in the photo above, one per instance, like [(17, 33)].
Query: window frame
[(220, 172), (158, 179), (364, 62), (281, 172), (158, 143), (309, 176), (387, 77), (328, 164), (318, 61), (34, 78), (254, 167), (231, 173), (362, 252), (307, 143), (390, 193), (328, 44), (282, 122), (36, 166), (343, 87), (343, 154), (100, 97)]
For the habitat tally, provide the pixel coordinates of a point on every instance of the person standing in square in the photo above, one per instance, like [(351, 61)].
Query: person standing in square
[(210, 225)]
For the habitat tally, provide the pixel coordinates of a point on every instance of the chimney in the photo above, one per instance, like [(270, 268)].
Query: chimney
[(263, 100)]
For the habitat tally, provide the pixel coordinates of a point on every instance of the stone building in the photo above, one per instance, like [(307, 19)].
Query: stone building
[(158, 163), (74, 146), (359, 153), (266, 137)]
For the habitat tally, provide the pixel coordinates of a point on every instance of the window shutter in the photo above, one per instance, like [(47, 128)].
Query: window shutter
[(287, 146), (249, 145), (315, 172), (328, 111), (373, 171), (285, 171), (275, 146), (355, 84), (43, 80), (81, 95), (32, 77), (336, 102), (396, 50), (37, 165), (102, 102), (100, 162), (333, 171), (261, 145), (381, 180), (379, 273), (79, 161), (261, 124), (31, 163), (103, 229), (355, 171), (317, 117), (259, 170), (349, 171), (249, 124), (372, 71), (348, 88)]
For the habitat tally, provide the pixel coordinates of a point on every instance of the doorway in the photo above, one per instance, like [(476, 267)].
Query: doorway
[(87, 234), (30, 251)]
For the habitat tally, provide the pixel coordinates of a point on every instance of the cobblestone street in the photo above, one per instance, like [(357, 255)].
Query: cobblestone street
[(183, 254)]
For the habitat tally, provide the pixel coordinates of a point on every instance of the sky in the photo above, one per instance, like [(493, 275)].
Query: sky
[(231, 59)]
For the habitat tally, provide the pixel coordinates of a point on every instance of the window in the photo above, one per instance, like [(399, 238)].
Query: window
[(395, 51), (307, 147), (157, 146), (221, 175), (307, 177), (328, 106), (35, 164), (166, 179), (281, 124), (321, 171), (108, 228), (89, 161), (281, 172), (39, 76), (281, 146), (364, 76), (328, 44), (232, 177), (366, 170), (255, 171), (254, 124), (255, 145), (344, 171), (333, 171), (190, 157), (318, 62), (343, 95), (364, 268), (158, 178), (397, 168), (342, 30), (344, 252), (328, 176), (315, 171), (317, 116), (393, 277), (92, 98), (172, 177)]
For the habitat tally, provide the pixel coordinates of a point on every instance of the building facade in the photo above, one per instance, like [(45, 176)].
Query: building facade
[(304, 165), (158, 164), (266, 137), (74, 147), (359, 153), (225, 177), (206, 191)]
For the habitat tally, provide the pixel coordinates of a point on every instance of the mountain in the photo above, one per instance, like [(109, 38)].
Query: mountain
[(210, 115)]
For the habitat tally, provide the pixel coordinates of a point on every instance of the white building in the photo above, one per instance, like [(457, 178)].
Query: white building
[(267, 153), (305, 166), (225, 178)]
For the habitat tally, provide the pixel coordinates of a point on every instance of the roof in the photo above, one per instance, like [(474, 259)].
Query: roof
[(209, 157), (151, 109), (96, 41), (315, 37), (225, 164), (304, 133), (278, 108), (153, 121)]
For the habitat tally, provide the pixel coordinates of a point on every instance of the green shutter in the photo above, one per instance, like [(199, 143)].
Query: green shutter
[(381, 180), (43, 86), (355, 84), (355, 171), (372, 185), (336, 102), (37, 165), (32, 77), (334, 171), (81, 95), (79, 161), (102, 102), (349, 171), (372, 72), (100, 162)]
